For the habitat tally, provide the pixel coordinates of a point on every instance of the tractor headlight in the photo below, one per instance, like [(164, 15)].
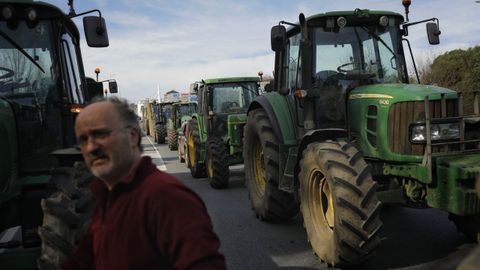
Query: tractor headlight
[(438, 132)]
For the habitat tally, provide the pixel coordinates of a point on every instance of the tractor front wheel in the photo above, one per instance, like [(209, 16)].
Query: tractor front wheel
[(261, 159), (161, 133), (172, 139), (216, 163), (340, 209), (66, 215)]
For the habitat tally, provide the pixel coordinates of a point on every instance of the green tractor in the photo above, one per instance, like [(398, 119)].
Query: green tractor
[(214, 134), (343, 130), (181, 113), (42, 89)]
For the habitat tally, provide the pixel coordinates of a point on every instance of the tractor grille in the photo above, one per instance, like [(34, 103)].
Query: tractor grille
[(402, 114)]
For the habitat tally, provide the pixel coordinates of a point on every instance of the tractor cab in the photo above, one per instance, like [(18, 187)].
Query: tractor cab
[(326, 56), (226, 98)]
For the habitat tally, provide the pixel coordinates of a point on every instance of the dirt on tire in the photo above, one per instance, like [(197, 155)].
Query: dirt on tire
[(340, 208), (261, 159), (66, 215)]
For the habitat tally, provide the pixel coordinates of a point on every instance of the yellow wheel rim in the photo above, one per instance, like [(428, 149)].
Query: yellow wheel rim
[(209, 165), (321, 201), (259, 168), (191, 149)]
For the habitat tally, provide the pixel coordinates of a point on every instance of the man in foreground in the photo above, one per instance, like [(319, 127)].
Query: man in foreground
[(144, 218)]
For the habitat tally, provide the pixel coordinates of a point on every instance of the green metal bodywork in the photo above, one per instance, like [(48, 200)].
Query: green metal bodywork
[(447, 180), (234, 122), (454, 189), (384, 96), (175, 121)]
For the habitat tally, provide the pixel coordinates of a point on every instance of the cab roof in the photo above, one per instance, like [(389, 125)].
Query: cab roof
[(231, 80)]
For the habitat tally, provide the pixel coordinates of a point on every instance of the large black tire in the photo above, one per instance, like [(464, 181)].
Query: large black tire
[(261, 159), (194, 148), (66, 215), (469, 225), (216, 163), (161, 133), (172, 139), (340, 209)]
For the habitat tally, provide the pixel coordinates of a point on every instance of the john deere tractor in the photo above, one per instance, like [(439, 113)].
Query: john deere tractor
[(343, 130), (162, 112), (42, 88), (181, 113), (214, 134)]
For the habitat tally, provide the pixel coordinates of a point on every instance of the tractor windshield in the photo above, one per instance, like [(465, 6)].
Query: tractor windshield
[(357, 54), (187, 109), (26, 62), (233, 97)]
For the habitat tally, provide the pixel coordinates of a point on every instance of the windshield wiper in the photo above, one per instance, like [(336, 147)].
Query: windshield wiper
[(248, 89), (379, 39), (15, 44)]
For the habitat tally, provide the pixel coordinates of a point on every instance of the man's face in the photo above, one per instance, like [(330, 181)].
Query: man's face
[(107, 145)]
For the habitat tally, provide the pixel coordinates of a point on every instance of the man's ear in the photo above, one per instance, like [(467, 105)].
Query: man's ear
[(134, 136)]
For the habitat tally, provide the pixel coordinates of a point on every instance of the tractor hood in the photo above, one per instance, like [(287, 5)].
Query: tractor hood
[(401, 92), (184, 119)]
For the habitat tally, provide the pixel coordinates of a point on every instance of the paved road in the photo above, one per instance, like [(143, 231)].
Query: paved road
[(412, 239)]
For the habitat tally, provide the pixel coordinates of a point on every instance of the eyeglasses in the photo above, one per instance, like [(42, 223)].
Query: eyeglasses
[(97, 135)]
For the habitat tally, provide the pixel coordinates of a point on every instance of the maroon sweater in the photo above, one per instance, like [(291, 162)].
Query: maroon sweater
[(151, 222)]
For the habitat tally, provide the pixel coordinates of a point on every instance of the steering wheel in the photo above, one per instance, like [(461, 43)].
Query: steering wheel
[(340, 68), (7, 73), (326, 77)]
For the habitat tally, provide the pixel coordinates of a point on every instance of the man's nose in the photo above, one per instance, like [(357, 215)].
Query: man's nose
[(90, 145)]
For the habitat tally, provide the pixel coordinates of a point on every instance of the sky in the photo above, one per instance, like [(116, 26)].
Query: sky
[(162, 45)]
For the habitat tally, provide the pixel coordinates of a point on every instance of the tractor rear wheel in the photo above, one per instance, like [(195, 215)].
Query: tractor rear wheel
[(161, 133), (261, 159), (216, 163), (194, 150), (469, 225), (340, 209), (172, 139), (66, 215)]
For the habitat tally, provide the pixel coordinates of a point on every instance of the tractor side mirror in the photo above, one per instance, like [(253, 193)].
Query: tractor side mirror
[(112, 86), (433, 33), (95, 31), (278, 38), (193, 88)]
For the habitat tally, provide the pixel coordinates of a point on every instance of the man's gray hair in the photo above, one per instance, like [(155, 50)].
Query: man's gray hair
[(127, 115)]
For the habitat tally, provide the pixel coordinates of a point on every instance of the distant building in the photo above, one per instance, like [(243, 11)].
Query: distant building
[(171, 96)]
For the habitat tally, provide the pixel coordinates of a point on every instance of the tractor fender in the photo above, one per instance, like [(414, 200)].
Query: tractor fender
[(318, 135), (278, 111)]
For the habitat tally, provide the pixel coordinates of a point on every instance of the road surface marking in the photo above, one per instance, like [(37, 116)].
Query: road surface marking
[(157, 155)]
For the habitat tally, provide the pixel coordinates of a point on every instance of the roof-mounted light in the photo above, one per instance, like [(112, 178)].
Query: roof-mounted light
[(7, 12), (32, 17), (341, 22), (383, 21), (31, 14)]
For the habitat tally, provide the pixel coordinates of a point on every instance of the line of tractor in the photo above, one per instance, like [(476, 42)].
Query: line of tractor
[(339, 132)]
